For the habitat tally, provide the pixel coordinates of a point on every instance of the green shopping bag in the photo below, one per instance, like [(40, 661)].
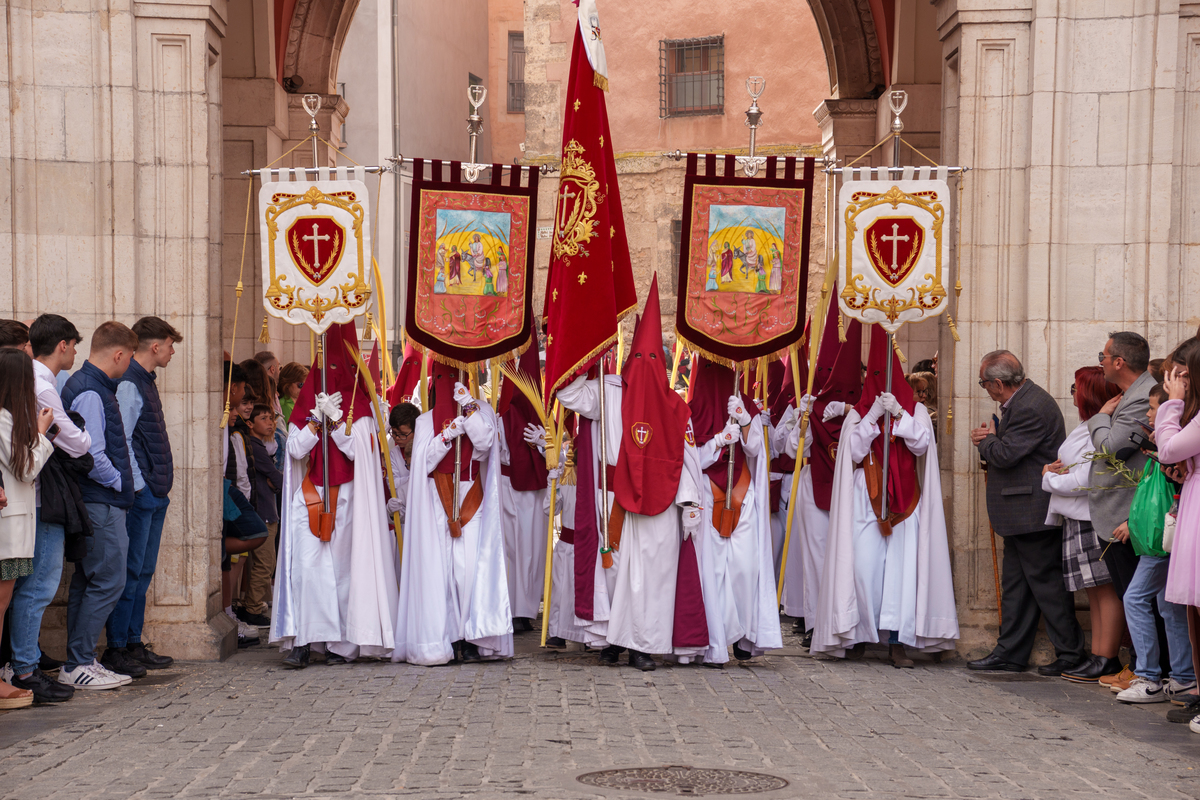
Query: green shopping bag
[(1151, 503)]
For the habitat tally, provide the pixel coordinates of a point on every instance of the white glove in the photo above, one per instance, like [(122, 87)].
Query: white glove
[(806, 403), (729, 434), (535, 435), (330, 405), (764, 418), (553, 474), (891, 404), (692, 517), (454, 429), (738, 411), (835, 408), (461, 395), (395, 505), (385, 409), (875, 411)]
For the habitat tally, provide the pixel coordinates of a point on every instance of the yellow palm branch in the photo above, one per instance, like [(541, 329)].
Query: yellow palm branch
[(533, 393)]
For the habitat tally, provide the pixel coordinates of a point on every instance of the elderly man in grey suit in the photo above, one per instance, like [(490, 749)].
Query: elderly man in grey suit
[(1030, 431), (1125, 357)]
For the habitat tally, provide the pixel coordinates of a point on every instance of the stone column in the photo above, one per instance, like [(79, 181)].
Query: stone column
[(113, 152)]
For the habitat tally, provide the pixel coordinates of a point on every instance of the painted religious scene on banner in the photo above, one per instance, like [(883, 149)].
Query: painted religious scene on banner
[(745, 249), (473, 252)]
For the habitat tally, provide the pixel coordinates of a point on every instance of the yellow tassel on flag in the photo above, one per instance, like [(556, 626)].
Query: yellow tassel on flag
[(899, 352), (265, 335), (841, 328), (370, 323)]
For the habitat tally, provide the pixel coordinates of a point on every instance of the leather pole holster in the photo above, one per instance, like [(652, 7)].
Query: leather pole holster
[(726, 519), (444, 481), (876, 486), (320, 521)]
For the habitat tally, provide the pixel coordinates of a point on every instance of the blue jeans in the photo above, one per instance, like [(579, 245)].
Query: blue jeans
[(33, 593), (1150, 582), (97, 583), (144, 523)]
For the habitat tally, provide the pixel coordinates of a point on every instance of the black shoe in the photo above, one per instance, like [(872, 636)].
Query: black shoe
[(798, 626), (642, 661), (1093, 669), (258, 620), (742, 655), (332, 658), (44, 690), (298, 658), (48, 664), (118, 660), (470, 653), (806, 640), (142, 654), (556, 641), (522, 625), (855, 653), (1183, 714), (994, 663), (1059, 666), (608, 656)]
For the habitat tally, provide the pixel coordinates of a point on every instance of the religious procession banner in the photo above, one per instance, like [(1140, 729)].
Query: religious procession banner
[(470, 283), (743, 261), (316, 246), (895, 245)]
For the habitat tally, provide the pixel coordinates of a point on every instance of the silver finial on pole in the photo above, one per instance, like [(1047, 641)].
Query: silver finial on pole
[(476, 94), (897, 101), (755, 85)]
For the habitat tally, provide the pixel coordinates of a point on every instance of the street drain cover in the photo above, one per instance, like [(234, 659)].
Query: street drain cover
[(683, 781)]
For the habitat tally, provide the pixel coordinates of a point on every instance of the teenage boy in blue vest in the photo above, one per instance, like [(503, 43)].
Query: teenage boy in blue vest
[(153, 475), (107, 491)]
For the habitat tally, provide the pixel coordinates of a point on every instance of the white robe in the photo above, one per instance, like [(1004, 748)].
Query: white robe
[(642, 613), (581, 397), (452, 589), (740, 600), (810, 530), (524, 522), (898, 583), (340, 594), (562, 621)]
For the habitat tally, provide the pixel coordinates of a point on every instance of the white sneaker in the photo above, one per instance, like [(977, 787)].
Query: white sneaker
[(1143, 690), (85, 677), (1174, 688), (247, 635), (124, 679), (1194, 725)]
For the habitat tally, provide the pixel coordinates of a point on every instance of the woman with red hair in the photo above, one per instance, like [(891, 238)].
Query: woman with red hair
[(1066, 480)]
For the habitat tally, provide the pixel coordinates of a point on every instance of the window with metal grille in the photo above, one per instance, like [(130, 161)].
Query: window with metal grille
[(691, 76), (516, 72)]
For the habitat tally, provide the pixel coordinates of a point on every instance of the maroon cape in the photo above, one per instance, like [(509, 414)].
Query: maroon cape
[(838, 378), (342, 376), (526, 466), (902, 464), (709, 391), (441, 387)]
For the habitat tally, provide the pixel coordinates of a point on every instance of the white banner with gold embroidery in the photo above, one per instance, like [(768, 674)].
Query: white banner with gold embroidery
[(894, 246), (316, 246)]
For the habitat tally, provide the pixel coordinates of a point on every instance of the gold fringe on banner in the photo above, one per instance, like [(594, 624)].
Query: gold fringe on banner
[(465, 365), (841, 328), (600, 81), (899, 352), (368, 326), (264, 335)]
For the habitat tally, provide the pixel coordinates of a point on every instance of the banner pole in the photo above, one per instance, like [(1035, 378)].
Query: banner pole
[(729, 468), (675, 364), (886, 431), (457, 461), (603, 470), (557, 453)]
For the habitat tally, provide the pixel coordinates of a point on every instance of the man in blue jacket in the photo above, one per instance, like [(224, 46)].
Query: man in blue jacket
[(107, 491), (153, 475)]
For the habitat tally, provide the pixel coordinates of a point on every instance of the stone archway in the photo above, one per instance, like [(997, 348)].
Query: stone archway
[(310, 43), (850, 36)]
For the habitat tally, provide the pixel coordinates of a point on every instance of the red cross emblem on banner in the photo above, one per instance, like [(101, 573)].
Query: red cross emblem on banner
[(316, 245), (894, 245), (641, 432)]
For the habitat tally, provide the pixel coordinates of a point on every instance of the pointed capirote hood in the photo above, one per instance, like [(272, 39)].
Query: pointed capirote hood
[(654, 420)]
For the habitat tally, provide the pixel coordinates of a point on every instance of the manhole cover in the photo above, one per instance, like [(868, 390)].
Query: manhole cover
[(683, 781)]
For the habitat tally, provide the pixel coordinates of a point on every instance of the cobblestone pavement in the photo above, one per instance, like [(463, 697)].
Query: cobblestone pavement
[(528, 727)]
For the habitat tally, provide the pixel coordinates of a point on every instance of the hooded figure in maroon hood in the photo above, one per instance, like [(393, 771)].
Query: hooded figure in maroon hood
[(838, 385), (887, 574), (335, 581), (651, 485), (737, 549), (522, 492)]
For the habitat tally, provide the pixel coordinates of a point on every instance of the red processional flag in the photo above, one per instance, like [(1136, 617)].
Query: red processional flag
[(590, 286)]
